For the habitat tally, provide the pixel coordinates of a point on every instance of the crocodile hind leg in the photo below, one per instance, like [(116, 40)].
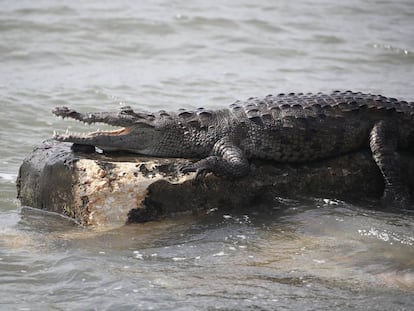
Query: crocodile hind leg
[(226, 160), (383, 143)]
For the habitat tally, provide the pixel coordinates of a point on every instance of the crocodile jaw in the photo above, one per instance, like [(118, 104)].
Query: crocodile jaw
[(79, 137), (140, 139), (105, 140)]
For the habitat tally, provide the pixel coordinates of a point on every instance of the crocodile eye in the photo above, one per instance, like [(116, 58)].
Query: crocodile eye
[(186, 114), (127, 110)]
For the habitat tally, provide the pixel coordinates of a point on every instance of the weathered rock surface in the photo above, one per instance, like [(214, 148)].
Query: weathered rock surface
[(99, 189)]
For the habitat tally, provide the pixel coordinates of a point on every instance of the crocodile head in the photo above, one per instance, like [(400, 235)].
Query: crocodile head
[(137, 132)]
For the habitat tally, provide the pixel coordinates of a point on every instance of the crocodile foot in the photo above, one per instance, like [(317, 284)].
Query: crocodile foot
[(397, 199), (200, 170)]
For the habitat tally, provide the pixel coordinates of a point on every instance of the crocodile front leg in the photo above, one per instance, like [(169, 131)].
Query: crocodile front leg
[(226, 160), (383, 143)]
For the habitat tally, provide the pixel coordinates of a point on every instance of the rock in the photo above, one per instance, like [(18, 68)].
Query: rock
[(100, 189)]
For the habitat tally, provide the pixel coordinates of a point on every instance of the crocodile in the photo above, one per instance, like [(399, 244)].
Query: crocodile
[(291, 127)]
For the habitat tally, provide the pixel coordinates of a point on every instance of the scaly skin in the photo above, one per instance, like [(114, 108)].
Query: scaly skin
[(285, 128)]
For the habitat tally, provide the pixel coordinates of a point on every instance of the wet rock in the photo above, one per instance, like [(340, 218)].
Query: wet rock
[(102, 189)]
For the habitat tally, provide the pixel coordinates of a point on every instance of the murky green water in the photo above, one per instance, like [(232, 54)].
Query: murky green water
[(312, 254)]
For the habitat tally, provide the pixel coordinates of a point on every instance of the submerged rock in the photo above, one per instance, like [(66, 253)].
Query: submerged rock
[(102, 189)]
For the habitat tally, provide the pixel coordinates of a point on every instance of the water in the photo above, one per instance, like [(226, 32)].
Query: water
[(313, 254)]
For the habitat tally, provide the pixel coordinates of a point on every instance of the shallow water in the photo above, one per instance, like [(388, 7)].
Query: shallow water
[(310, 254)]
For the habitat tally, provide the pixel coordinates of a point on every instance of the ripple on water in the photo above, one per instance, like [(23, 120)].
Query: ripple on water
[(10, 178)]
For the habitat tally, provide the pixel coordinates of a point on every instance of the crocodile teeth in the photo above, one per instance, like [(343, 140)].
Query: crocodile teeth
[(72, 135)]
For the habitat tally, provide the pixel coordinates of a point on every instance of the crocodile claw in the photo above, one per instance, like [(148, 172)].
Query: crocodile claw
[(201, 171), (187, 168)]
